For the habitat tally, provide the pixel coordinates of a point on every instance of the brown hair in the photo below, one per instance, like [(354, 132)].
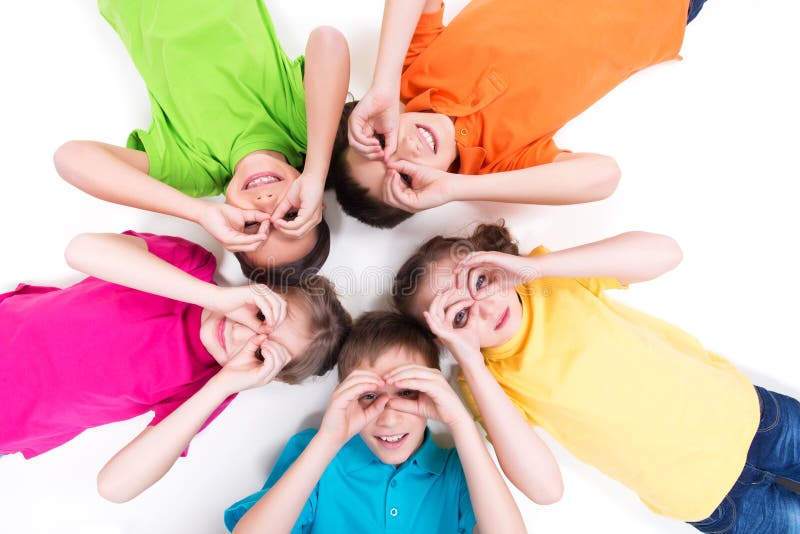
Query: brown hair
[(492, 237), (352, 196), (327, 321), (376, 332), (290, 274)]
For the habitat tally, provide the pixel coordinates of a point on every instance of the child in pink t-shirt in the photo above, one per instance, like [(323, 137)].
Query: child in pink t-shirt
[(149, 330)]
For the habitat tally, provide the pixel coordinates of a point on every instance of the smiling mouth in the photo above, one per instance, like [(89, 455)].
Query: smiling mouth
[(394, 441), (426, 134), (502, 320), (221, 333), (260, 180)]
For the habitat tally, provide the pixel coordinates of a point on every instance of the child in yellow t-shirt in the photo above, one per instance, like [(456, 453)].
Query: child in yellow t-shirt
[(634, 396)]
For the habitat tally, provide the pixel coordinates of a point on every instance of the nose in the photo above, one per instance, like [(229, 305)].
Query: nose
[(387, 418), (408, 145), (487, 308), (240, 334)]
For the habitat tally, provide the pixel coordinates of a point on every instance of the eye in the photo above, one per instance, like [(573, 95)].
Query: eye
[(251, 227), (406, 179), (480, 281), (408, 393), (461, 318), (381, 139), (290, 215), (260, 316), (367, 398), (259, 356)]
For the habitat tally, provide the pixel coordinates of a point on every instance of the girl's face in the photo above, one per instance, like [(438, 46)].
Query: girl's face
[(483, 303), (223, 338), (426, 139)]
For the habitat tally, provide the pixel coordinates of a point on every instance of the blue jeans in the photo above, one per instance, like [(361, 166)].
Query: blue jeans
[(694, 8), (757, 503)]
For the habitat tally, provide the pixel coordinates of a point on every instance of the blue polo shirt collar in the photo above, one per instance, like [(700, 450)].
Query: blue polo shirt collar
[(429, 457)]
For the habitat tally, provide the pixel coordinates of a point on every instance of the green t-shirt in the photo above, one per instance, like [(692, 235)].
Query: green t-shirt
[(220, 87)]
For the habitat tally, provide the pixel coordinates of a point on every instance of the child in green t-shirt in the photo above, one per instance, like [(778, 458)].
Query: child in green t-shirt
[(229, 114)]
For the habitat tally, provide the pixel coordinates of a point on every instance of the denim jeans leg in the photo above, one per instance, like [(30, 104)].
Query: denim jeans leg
[(776, 445), (694, 8)]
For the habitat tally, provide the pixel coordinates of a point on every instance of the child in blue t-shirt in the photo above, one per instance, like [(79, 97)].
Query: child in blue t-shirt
[(373, 464)]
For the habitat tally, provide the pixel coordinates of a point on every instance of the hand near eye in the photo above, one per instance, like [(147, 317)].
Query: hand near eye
[(226, 223), (462, 342), (435, 399), (347, 414), (245, 371), (377, 113), (506, 270), (255, 306), (305, 198), (414, 188)]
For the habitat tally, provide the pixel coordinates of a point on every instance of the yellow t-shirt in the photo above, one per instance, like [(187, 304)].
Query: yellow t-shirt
[(634, 396)]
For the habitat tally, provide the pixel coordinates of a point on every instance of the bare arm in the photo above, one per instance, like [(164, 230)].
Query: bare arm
[(327, 74), (125, 260), (119, 175), (143, 461)]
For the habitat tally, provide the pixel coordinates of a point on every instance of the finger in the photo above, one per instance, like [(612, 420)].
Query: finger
[(409, 370), (237, 238), (281, 210), (356, 390), (405, 405), (362, 373), (377, 406), (252, 345), (254, 215), (390, 143)]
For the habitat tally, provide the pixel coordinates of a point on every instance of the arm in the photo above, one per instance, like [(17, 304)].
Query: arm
[(523, 456), (119, 175), (327, 74), (494, 507), (378, 111), (143, 461), (570, 179), (280, 507), (630, 257)]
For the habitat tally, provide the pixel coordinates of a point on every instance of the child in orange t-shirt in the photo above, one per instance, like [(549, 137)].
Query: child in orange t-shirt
[(485, 95)]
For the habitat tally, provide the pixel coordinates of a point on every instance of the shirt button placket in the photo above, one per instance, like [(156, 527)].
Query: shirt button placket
[(393, 511)]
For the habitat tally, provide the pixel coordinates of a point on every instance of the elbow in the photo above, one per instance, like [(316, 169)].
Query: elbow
[(551, 496), (111, 489), (662, 248), (607, 177), (67, 157), (328, 39), (75, 253)]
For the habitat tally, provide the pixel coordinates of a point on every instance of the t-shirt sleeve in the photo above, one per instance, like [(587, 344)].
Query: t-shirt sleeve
[(428, 28), (540, 152), (290, 453), (185, 255)]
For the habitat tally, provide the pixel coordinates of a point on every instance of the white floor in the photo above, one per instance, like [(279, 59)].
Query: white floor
[(708, 150)]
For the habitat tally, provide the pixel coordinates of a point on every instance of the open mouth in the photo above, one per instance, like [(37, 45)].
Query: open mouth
[(260, 180), (392, 442), (221, 333), (503, 319), (427, 137)]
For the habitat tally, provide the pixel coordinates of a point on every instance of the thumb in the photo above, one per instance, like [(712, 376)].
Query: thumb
[(252, 345), (390, 143), (282, 209)]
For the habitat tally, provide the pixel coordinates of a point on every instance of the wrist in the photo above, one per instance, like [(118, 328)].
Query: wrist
[(218, 388), (195, 209), (330, 439), (450, 186)]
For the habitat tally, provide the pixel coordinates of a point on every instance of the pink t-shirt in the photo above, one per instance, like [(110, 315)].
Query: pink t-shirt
[(96, 352)]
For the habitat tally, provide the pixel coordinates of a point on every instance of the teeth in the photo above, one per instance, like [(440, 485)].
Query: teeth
[(262, 180), (391, 439), (428, 137)]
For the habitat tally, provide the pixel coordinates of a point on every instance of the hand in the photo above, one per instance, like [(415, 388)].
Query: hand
[(435, 399), (414, 188), (226, 224), (505, 270), (246, 371), (463, 343), (377, 113), (305, 199), (345, 416), (256, 306)]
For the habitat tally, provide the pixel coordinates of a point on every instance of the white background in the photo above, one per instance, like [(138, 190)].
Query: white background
[(707, 147)]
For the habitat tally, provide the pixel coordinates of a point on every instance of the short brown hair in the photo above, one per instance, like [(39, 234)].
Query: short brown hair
[(378, 331), (290, 274), (352, 196), (493, 237), (328, 323)]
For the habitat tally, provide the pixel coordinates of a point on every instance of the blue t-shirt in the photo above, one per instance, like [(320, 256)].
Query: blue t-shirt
[(358, 493)]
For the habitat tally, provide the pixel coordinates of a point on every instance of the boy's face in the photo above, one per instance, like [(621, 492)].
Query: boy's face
[(259, 182), (223, 338), (423, 138), (484, 303), (393, 436)]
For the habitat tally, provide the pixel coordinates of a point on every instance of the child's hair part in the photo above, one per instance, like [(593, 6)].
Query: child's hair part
[(415, 270), (293, 273), (352, 196), (378, 331), (328, 323)]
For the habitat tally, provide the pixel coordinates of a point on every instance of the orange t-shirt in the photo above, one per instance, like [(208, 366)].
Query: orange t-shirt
[(513, 72)]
